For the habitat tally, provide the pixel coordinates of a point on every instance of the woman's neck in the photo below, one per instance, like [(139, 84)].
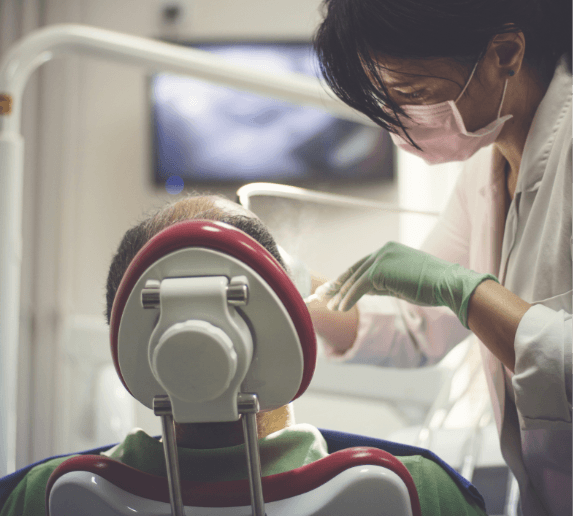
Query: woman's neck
[(524, 95)]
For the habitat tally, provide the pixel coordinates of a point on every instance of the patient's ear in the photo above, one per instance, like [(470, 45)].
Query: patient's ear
[(275, 420)]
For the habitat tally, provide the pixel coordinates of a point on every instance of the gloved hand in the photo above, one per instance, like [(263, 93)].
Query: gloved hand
[(299, 272), (400, 271)]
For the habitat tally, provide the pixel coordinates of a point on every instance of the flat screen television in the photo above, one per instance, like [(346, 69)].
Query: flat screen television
[(210, 134)]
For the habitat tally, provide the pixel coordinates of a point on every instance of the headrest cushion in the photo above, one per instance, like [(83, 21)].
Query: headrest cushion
[(234, 242)]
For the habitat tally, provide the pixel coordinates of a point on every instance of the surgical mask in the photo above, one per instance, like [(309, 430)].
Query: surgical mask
[(441, 133)]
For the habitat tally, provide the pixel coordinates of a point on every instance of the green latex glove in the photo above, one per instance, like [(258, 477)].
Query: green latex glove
[(414, 276)]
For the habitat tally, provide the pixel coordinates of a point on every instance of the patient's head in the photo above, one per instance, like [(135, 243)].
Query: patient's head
[(216, 208)]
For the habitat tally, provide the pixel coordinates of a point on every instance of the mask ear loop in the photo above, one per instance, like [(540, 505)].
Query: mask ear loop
[(467, 83), (502, 98)]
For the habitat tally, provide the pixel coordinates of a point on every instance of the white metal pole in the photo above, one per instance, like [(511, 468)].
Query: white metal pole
[(15, 68), (11, 196), (246, 192)]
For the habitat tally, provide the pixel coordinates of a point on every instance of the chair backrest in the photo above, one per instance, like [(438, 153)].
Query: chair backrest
[(356, 481), (206, 317)]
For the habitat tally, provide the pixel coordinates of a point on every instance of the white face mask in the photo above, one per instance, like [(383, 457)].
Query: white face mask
[(441, 133)]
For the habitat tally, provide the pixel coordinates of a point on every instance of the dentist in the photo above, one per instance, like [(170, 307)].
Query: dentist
[(487, 82)]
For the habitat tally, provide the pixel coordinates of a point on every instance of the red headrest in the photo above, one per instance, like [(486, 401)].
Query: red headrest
[(234, 242)]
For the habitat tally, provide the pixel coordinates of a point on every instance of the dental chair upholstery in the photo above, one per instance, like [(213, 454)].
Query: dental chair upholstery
[(203, 314), (357, 481)]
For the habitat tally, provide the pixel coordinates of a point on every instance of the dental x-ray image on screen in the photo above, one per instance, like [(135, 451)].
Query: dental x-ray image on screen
[(206, 133)]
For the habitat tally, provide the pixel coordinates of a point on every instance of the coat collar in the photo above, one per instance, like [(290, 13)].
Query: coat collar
[(540, 139), (548, 118)]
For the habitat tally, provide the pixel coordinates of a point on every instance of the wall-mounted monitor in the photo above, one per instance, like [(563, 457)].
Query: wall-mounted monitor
[(205, 133)]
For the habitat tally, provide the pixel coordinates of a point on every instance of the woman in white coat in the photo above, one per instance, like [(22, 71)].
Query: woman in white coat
[(448, 79)]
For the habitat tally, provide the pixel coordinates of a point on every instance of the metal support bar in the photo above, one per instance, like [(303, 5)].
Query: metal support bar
[(248, 405), (162, 408)]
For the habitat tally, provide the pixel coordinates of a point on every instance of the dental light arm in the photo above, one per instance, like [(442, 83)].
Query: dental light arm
[(246, 193)]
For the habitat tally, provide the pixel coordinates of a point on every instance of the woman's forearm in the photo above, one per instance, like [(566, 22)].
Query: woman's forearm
[(494, 313)]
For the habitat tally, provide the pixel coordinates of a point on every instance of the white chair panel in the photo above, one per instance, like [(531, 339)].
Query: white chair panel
[(358, 491)]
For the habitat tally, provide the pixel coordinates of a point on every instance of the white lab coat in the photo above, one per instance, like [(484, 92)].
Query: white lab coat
[(531, 256)]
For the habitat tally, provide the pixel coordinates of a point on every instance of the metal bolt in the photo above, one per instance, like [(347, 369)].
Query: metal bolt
[(161, 405), (247, 403), (150, 294), (238, 294)]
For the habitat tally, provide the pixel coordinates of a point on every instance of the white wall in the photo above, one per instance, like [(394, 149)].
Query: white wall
[(17, 18), (92, 181)]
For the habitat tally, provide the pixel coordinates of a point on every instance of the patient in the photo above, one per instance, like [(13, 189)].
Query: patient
[(214, 451)]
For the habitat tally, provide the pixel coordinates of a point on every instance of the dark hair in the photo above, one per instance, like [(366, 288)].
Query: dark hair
[(355, 33), (191, 207)]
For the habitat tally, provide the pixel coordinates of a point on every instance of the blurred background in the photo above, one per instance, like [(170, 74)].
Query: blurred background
[(103, 144)]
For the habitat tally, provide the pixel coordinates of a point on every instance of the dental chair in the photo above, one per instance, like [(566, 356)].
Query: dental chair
[(207, 327)]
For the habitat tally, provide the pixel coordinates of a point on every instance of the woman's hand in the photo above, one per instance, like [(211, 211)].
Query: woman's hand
[(414, 276), (338, 328)]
